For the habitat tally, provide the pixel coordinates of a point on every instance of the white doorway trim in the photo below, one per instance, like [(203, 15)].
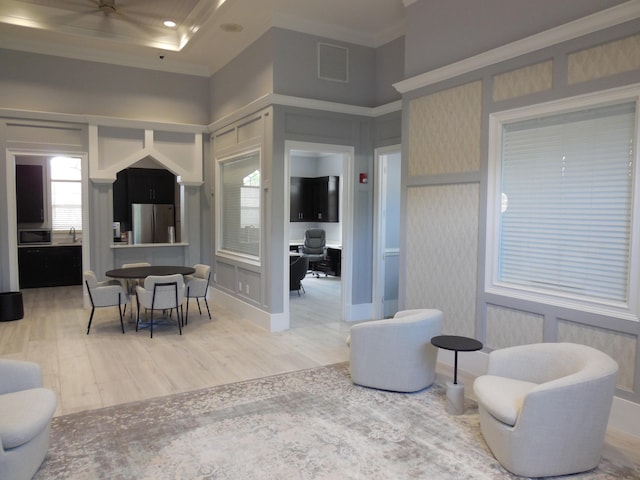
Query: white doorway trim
[(12, 220), (346, 213), (379, 227)]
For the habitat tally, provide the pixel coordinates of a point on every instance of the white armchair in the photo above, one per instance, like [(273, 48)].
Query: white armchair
[(26, 410), (396, 354), (108, 293), (544, 407), (161, 292), (196, 286)]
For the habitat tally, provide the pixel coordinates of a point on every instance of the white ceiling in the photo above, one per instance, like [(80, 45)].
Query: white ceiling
[(133, 34)]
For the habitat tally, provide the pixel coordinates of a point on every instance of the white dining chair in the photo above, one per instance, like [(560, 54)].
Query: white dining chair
[(161, 292), (108, 293)]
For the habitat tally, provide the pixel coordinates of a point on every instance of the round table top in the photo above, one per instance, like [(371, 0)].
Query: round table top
[(143, 272), (454, 342)]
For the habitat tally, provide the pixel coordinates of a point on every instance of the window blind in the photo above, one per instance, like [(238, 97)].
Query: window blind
[(567, 183), (66, 193), (240, 207)]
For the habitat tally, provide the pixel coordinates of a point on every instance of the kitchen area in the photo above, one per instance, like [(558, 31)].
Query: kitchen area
[(49, 220)]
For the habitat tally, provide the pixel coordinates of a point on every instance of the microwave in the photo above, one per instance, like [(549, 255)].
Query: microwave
[(34, 236)]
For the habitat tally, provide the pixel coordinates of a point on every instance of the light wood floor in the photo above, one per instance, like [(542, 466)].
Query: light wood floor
[(108, 368)]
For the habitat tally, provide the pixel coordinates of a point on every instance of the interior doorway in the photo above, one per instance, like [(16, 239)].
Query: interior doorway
[(327, 296), (56, 194), (386, 243)]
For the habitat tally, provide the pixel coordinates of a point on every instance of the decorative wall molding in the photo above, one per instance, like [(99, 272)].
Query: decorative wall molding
[(300, 102), (583, 26), (101, 121)]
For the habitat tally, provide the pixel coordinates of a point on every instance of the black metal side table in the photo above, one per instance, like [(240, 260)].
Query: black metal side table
[(455, 391)]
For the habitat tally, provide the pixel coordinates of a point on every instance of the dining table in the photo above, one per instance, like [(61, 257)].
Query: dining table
[(132, 273)]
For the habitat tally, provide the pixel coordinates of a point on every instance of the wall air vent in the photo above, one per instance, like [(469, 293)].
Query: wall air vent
[(333, 62)]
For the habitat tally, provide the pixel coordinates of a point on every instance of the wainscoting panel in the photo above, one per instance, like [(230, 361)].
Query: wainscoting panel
[(507, 327), (621, 347), (605, 60), (445, 131), (442, 248), (523, 81)]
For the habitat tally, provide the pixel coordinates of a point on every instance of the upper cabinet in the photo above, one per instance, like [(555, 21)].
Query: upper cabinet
[(151, 185), (141, 185), (314, 199), (30, 193)]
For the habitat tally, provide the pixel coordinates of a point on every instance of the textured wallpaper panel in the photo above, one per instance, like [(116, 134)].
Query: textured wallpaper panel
[(619, 346), (604, 60), (507, 327), (442, 247), (444, 131), (524, 81)]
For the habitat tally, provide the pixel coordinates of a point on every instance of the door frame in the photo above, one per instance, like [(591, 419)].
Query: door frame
[(346, 215), (379, 201), (12, 219)]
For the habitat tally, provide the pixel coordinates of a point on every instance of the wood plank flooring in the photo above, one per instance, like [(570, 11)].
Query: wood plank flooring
[(107, 368)]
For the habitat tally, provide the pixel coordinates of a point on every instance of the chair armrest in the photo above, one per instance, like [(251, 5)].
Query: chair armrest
[(16, 375)]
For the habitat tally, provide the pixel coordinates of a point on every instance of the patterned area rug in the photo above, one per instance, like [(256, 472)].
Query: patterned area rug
[(311, 424)]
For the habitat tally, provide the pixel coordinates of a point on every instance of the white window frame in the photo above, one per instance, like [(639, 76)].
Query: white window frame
[(625, 310), (219, 162), (51, 181)]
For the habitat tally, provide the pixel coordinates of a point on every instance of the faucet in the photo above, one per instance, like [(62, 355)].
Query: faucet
[(72, 232)]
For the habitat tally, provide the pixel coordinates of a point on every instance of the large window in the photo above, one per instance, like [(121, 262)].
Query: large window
[(239, 204), (66, 193), (563, 209)]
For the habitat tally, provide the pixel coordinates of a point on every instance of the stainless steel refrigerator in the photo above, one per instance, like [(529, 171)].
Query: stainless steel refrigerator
[(152, 222)]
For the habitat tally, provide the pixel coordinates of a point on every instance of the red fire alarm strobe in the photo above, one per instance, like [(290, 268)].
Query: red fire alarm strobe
[(364, 178)]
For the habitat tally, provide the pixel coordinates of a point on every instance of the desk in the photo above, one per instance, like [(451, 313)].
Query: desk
[(455, 391), (144, 272)]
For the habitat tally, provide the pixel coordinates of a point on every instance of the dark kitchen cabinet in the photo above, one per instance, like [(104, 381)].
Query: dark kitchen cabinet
[(141, 185), (150, 185), (50, 266), (29, 193), (314, 199)]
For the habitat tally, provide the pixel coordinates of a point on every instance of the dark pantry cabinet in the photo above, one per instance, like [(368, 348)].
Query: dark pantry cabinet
[(314, 199), (29, 193)]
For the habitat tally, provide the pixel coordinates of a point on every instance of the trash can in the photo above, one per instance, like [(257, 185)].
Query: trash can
[(11, 307)]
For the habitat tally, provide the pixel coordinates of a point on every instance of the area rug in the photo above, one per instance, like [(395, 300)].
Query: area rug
[(310, 424)]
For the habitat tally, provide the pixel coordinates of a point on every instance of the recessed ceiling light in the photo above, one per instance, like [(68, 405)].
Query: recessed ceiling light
[(169, 23), (231, 27)]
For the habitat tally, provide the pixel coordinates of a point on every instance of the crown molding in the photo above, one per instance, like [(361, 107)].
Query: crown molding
[(577, 28), (152, 62), (308, 103), (100, 121), (288, 22)]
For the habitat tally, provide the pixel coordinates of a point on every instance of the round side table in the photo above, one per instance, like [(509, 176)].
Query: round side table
[(455, 390)]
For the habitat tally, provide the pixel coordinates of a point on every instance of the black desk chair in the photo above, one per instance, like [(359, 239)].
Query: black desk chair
[(314, 247)]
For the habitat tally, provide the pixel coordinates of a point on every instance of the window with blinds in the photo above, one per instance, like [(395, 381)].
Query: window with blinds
[(66, 193), (565, 198), (239, 205)]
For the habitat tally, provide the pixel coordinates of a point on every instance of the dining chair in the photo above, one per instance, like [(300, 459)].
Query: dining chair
[(108, 293), (196, 286), (161, 292)]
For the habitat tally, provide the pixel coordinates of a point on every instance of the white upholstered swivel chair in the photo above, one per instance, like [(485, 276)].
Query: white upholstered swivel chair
[(108, 293), (161, 292), (196, 286), (26, 410), (544, 407), (396, 354)]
